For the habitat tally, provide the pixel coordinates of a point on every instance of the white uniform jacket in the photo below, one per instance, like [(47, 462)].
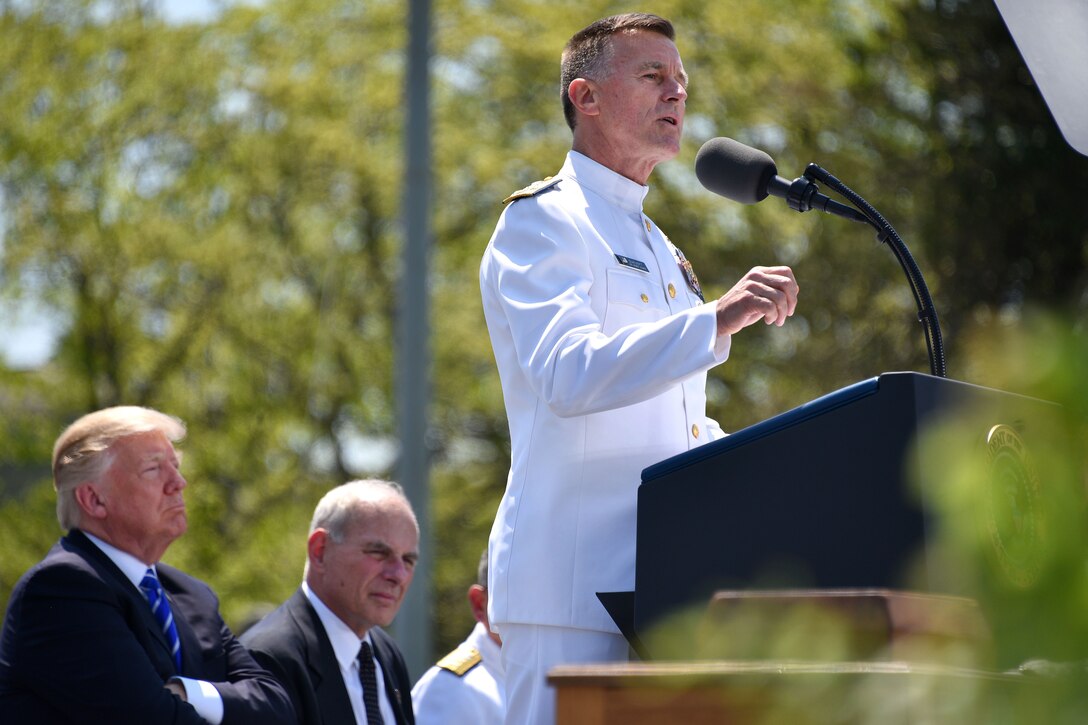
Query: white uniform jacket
[(474, 697), (602, 348)]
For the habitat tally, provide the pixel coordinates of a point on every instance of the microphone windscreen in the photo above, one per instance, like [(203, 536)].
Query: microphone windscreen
[(733, 170)]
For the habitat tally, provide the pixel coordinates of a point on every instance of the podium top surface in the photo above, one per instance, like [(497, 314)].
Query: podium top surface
[(912, 385), (811, 409)]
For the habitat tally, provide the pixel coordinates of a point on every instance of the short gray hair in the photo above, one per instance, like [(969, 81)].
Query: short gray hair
[(82, 452), (337, 508), (481, 571), (589, 51)]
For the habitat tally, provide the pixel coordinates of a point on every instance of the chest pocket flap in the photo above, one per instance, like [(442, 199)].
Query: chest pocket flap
[(632, 297)]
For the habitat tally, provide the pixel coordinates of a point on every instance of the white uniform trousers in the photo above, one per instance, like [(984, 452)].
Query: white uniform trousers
[(529, 651)]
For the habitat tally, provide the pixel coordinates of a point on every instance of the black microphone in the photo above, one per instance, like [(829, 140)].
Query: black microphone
[(748, 175)]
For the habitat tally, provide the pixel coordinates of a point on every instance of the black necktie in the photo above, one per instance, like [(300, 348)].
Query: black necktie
[(369, 678)]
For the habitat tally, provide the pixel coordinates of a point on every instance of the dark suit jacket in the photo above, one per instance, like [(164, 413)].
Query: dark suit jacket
[(291, 643), (80, 645)]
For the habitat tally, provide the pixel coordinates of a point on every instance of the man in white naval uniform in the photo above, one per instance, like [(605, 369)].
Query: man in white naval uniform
[(466, 686), (602, 342)]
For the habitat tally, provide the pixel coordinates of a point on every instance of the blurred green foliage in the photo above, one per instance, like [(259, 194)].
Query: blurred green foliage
[(1009, 512), (209, 213)]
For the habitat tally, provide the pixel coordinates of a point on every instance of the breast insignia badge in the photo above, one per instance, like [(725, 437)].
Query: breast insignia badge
[(689, 273)]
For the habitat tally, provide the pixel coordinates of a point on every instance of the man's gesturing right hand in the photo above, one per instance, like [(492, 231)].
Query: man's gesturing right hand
[(764, 293)]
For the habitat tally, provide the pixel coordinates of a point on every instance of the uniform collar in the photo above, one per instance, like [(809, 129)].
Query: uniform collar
[(489, 651), (604, 182)]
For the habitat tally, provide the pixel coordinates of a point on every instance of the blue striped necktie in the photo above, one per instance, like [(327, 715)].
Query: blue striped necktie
[(161, 609)]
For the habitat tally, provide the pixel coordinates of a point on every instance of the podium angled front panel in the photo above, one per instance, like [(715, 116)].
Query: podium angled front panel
[(817, 497)]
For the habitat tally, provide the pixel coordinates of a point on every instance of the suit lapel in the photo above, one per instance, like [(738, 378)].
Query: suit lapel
[(329, 689), (393, 688), (151, 633)]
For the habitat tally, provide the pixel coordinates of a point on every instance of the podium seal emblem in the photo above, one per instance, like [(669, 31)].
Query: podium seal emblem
[(1014, 517)]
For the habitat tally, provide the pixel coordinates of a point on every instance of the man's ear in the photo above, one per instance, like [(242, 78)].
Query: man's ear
[(477, 599), (90, 502), (315, 546), (584, 95)]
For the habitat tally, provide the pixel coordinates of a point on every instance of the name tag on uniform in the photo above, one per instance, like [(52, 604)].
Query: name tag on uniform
[(632, 263)]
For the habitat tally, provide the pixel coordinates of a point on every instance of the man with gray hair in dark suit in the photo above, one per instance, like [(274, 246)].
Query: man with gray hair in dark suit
[(325, 643)]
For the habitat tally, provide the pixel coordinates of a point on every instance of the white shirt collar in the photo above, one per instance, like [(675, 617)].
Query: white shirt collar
[(130, 566), (345, 643), (605, 182)]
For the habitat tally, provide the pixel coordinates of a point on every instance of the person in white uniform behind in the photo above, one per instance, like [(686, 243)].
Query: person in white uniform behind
[(466, 686), (602, 342)]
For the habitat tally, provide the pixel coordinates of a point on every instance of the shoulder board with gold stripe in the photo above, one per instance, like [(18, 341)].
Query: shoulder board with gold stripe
[(532, 189), (461, 660)]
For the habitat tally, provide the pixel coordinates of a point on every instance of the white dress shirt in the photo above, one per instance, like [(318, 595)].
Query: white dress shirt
[(602, 348), (345, 645), (204, 698)]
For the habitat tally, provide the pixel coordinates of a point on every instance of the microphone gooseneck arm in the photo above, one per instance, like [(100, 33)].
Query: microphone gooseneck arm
[(886, 234), (802, 194), (748, 175)]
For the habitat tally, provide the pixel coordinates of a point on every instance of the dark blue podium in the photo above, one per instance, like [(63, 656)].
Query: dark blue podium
[(817, 497)]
